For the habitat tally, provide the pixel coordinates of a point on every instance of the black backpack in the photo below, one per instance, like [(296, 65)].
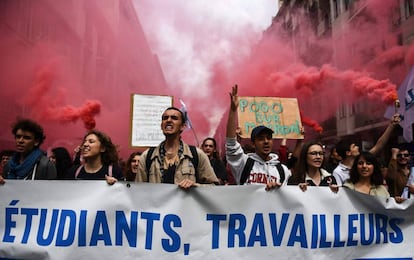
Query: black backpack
[(194, 160), (249, 165)]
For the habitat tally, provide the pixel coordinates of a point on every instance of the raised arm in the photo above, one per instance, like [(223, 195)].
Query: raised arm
[(231, 122), (382, 141)]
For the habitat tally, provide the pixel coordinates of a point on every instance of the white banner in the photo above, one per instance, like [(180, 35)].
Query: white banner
[(91, 220)]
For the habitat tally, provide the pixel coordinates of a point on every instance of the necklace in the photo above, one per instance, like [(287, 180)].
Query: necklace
[(170, 160), (171, 157)]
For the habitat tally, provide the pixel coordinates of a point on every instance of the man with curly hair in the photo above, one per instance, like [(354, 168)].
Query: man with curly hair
[(29, 162)]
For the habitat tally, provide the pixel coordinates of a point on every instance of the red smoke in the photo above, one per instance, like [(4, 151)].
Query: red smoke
[(46, 104), (371, 72), (86, 113), (312, 123), (365, 63)]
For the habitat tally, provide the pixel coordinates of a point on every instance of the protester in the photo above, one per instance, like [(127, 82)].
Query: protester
[(62, 160), (366, 176), (132, 166), (174, 161), (290, 158), (5, 156), (209, 147), (308, 170), (100, 159), (348, 150), (260, 167), (333, 160), (398, 171), (29, 162)]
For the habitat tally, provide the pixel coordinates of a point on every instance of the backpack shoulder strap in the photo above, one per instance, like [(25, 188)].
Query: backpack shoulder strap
[(110, 167), (78, 171), (148, 161), (246, 170), (40, 166), (194, 153), (281, 172)]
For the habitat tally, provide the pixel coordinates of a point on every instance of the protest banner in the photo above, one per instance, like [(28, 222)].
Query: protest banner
[(93, 220), (279, 114), (146, 111)]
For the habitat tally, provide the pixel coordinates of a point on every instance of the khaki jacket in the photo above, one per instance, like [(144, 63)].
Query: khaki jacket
[(185, 168)]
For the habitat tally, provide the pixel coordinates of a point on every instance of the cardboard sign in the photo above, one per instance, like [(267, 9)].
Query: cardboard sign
[(279, 114), (146, 111)]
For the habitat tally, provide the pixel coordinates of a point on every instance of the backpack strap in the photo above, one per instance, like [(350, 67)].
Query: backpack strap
[(78, 171), (34, 171), (110, 167), (249, 165), (40, 166), (148, 161), (281, 172), (194, 160), (246, 170)]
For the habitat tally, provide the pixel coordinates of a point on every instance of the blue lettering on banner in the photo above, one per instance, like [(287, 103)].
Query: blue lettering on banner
[(173, 244), (70, 216), (277, 236), (292, 230), (122, 227), (66, 227), (61, 228)]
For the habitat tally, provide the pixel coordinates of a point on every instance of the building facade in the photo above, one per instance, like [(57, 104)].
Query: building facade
[(97, 51), (389, 28)]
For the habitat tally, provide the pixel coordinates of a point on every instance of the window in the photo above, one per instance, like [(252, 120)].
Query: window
[(346, 4), (409, 8), (335, 8)]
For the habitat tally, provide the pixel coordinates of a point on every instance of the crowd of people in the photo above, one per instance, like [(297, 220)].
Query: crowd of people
[(175, 162)]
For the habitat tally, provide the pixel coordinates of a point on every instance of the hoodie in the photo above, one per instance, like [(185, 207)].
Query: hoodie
[(261, 172)]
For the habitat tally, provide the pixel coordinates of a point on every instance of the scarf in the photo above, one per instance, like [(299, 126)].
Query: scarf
[(20, 171)]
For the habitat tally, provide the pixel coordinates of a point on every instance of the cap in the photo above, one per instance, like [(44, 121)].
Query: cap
[(259, 129)]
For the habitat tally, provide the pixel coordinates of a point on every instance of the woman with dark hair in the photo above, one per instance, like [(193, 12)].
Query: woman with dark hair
[(62, 160), (308, 170), (132, 166), (209, 146), (100, 159), (366, 176)]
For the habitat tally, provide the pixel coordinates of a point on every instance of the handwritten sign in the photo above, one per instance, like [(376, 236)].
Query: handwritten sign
[(279, 114), (146, 111)]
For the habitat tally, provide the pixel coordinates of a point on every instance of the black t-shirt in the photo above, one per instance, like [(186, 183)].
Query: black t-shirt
[(219, 169), (99, 175)]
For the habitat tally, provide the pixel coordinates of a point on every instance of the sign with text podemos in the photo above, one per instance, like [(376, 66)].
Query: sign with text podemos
[(279, 114), (146, 112)]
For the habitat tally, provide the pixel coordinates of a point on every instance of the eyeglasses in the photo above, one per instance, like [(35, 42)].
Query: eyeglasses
[(401, 155), (208, 145), (314, 153)]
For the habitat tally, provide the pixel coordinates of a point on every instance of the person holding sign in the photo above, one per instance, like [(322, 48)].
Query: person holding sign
[(174, 161), (260, 167)]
